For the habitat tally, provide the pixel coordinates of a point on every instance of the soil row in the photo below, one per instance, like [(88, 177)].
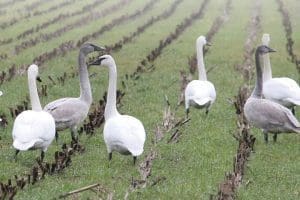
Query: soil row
[(171, 125), (70, 45), (44, 37), (233, 180), (288, 34), (27, 8), (15, 20), (59, 18), (9, 189), (93, 122), (101, 103), (3, 5)]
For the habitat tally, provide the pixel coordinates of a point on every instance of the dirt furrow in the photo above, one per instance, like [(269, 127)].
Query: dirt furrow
[(286, 22), (44, 37), (60, 80), (62, 16), (41, 170), (15, 20), (233, 180), (3, 5), (71, 45)]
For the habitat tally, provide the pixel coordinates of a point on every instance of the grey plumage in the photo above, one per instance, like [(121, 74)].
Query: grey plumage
[(69, 112), (271, 117)]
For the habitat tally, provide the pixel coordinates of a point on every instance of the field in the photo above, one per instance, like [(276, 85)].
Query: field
[(153, 44)]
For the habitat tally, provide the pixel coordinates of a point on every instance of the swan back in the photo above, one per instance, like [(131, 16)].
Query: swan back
[(33, 130), (284, 91), (270, 116)]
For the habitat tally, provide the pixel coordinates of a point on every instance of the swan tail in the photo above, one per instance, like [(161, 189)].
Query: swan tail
[(136, 152), (203, 101), (24, 146), (294, 101)]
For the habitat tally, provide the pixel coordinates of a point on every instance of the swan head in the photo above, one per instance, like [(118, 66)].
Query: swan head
[(87, 48), (106, 60), (265, 39), (263, 49), (201, 40), (33, 71)]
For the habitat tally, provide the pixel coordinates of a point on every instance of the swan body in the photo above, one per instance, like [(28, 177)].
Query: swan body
[(267, 115), (200, 93), (33, 129), (122, 133), (282, 90), (70, 112)]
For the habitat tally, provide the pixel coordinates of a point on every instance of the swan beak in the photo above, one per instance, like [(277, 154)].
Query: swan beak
[(96, 62), (208, 44), (97, 48), (38, 79), (271, 50)]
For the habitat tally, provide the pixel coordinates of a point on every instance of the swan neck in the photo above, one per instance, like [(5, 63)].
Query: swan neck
[(257, 92), (111, 101), (200, 63), (267, 75), (33, 93), (85, 87)]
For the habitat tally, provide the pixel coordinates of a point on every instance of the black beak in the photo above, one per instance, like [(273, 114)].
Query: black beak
[(271, 50), (97, 48), (97, 62), (38, 79)]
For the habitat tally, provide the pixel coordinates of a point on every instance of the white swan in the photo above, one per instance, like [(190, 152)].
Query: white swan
[(270, 116), (283, 90), (33, 129), (122, 133), (200, 93), (69, 112)]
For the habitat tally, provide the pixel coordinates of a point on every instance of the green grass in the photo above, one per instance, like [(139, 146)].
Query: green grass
[(195, 165)]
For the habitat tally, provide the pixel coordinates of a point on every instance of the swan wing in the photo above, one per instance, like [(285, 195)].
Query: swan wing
[(268, 115), (67, 111), (282, 89)]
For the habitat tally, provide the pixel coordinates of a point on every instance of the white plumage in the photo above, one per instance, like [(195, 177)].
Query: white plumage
[(283, 90), (122, 133), (200, 93), (33, 129)]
